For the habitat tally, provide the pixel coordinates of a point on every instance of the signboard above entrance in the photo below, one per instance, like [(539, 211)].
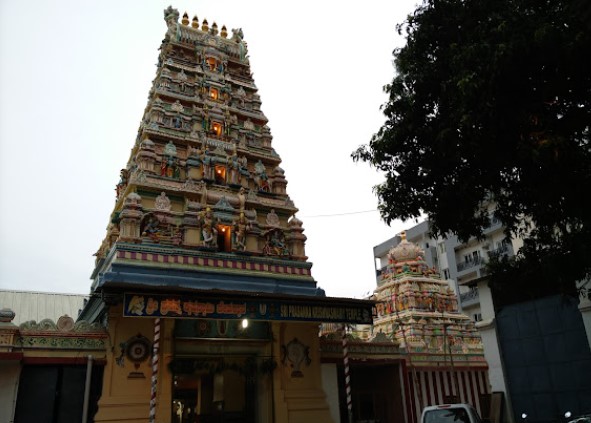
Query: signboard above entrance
[(312, 310)]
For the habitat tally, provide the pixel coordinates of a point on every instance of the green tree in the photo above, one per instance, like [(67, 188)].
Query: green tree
[(491, 102)]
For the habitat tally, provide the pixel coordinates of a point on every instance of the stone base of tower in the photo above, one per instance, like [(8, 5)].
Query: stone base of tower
[(306, 406), (123, 409)]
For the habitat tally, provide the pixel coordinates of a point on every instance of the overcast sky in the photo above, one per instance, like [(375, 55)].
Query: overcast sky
[(74, 81)]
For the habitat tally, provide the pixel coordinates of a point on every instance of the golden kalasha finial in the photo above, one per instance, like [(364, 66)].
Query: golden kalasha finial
[(195, 22), (402, 236), (185, 20), (205, 26), (224, 32), (214, 29)]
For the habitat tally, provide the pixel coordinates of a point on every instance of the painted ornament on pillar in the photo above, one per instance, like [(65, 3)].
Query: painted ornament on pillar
[(137, 349), (296, 354)]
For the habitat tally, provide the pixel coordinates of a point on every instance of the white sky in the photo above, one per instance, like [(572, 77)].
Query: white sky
[(74, 81)]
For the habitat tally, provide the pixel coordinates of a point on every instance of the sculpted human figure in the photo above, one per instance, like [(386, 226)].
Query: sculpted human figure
[(170, 167), (206, 163), (234, 167), (208, 229), (152, 228), (242, 198), (276, 243), (241, 226), (260, 177), (124, 176)]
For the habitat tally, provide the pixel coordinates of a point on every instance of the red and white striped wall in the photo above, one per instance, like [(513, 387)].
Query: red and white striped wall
[(435, 386)]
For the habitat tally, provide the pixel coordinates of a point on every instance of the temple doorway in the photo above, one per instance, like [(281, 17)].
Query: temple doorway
[(223, 393), (222, 372)]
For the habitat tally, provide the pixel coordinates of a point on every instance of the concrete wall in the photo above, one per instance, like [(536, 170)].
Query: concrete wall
[(331, 389)]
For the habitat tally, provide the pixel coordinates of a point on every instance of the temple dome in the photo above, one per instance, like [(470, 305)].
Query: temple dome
[(406, 251)]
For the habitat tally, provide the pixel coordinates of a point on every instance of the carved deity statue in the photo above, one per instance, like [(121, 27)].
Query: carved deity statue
[(242, 198), (241, 226), (152, 228), (208, 229), (275, 243), (206, 162), (124, 177), (261, 180), (234, 167)]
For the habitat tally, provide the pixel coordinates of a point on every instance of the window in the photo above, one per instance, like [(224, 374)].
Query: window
[(220, 175), (442, 248), (224, 238), (445, 274), (216, 128), (211, 63), (477, 317)]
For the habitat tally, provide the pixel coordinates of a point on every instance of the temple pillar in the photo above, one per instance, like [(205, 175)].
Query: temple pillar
[(301, 397), (126, 382)]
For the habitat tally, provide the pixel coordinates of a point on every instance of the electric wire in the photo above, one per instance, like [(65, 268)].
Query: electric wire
[(339, 214)]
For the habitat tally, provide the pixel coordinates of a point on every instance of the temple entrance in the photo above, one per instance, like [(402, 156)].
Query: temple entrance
[(223, 393), (222, 372)]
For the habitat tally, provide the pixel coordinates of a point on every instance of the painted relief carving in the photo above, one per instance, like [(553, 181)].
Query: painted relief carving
[(272, 218), (151, 227), (137, 349), (275, 244), (162, 202), (241, 226), (296, 355)]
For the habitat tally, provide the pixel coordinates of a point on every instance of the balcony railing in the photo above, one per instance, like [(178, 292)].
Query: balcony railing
[(502, 250), (477, 261), (470, 296)]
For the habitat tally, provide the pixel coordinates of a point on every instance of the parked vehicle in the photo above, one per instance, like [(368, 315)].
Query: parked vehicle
[(450, 413)]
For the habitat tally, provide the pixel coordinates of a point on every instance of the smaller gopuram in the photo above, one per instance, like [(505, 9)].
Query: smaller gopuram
[(418, 310)]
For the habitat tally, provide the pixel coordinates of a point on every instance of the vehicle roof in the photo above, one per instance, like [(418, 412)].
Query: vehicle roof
[(439, 406)]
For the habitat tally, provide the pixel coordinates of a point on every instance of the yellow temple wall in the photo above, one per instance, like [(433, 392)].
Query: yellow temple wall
[(301, 399), (127, 389)]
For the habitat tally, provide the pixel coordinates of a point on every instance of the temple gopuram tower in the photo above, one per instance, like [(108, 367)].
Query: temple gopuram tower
[(443, 350), (202, 278)]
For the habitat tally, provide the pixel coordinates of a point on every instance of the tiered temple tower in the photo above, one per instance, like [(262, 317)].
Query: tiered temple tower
[(203, 249), (418, 310)]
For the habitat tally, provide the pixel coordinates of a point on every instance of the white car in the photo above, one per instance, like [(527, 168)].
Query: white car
[(450, 413)]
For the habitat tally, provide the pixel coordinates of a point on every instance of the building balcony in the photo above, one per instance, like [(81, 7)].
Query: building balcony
[(503, 250), (493, 225), (474, 263), (470, 298), (380, 271)]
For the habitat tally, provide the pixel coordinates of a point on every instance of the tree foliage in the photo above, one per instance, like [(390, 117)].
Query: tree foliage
[(491, 104)]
